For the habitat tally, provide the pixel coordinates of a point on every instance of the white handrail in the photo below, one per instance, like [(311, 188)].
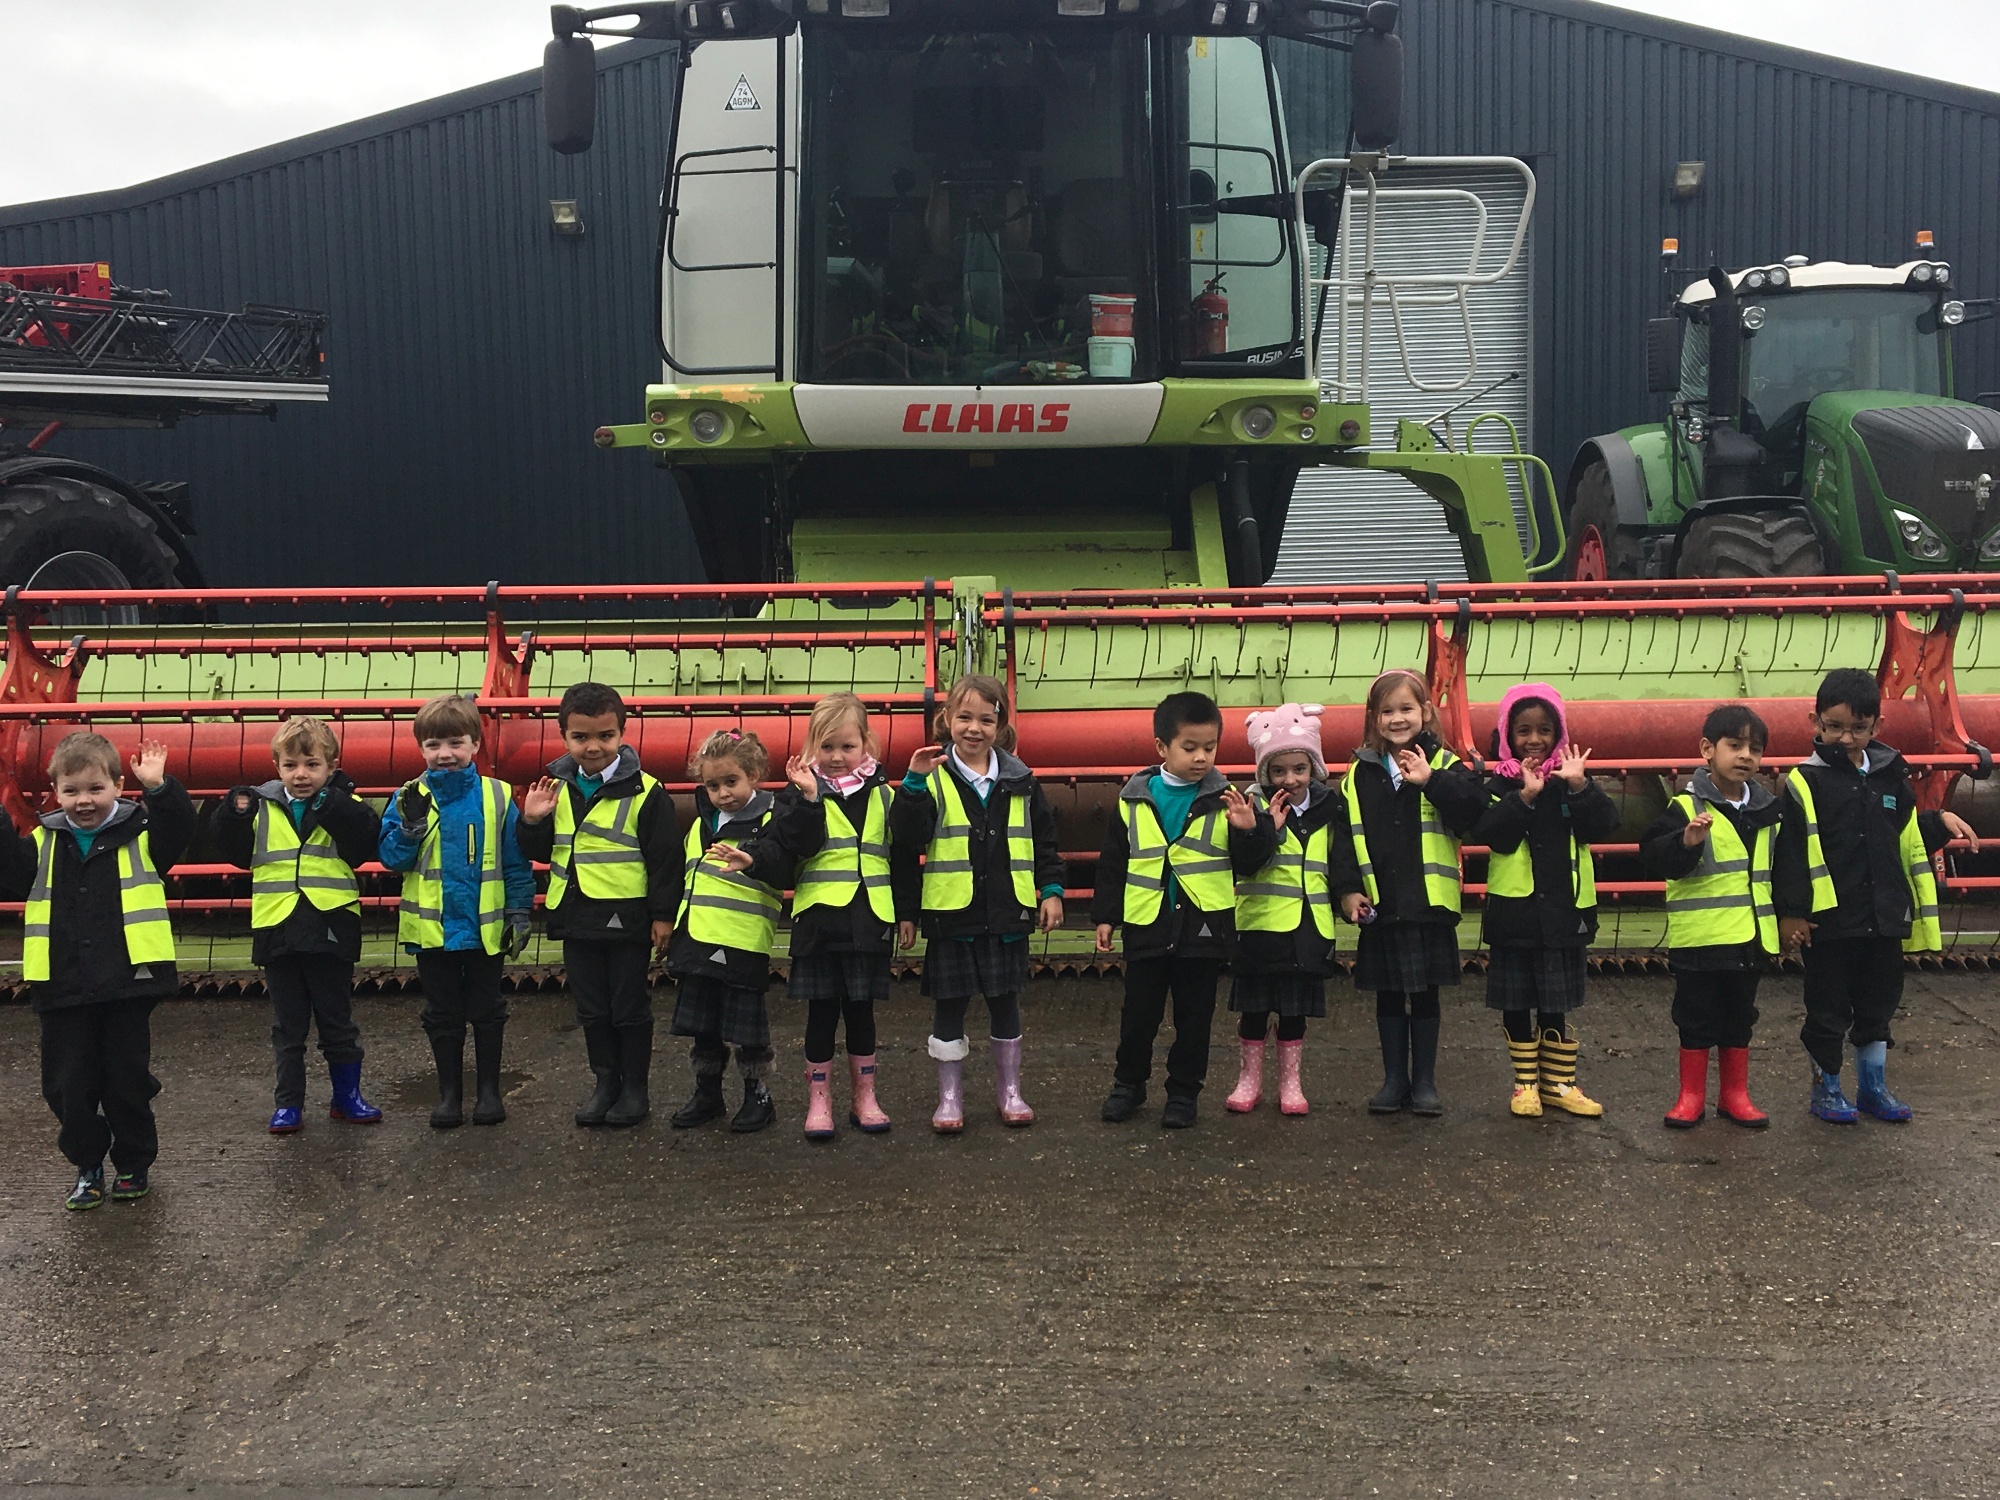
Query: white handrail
[(1400, 290)]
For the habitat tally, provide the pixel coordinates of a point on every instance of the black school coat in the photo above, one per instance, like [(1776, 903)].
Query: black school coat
[(737, 967), (87, 963), (582, 918), (1302, 950), (993, 908), (1392, 817), (1862, 814), (353, 826), (1667, 856), (1550, 917), (796, 832), (1181, 929)]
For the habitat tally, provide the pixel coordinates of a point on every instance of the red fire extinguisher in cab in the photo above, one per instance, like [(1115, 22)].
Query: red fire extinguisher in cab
[(1211, 320)]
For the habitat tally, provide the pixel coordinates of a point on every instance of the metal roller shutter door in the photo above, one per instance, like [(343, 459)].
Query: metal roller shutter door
[(1360, 527)]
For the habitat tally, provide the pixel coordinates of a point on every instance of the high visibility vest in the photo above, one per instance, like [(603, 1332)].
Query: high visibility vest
[(1727, 900), (850, 861), (948, 861), (1444, 876), (420, 922), (721, 906), (601, 855), (1277, 897), (1513, 873), (142, 901), (1926, 933), (283, 866), (1199, 860)]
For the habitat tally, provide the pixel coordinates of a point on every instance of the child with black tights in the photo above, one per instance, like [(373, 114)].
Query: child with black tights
[(992, 875), (1284, 912), (1713, 845), (832, 828), (1408, 801), (1541, 894)]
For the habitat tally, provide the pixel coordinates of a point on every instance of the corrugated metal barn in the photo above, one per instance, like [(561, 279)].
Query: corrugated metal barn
[(473, 349)]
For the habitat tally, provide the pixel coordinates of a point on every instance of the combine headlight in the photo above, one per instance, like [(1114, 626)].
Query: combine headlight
[(1258, 422), (1779, 276), (1917, 535), (707, 426), (1756, 281), (1989, 550), (1079, 7), (1753, 317), (1922, 272), (1951, 314)]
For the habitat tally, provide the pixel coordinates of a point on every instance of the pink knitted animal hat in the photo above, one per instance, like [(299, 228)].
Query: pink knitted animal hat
[(1290, 726)]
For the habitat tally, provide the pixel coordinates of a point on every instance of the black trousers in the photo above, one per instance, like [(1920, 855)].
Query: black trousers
[(608, 981), (1853, 986), (1148, 982), (97, 1076), (1715, 1007), (461, 988), (308, 989)]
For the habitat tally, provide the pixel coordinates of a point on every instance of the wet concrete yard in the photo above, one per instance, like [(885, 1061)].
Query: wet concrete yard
[(1474, 1306)]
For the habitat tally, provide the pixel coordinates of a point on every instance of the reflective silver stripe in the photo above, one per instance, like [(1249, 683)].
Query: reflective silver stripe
[(725, 903), (1265, 889), (139, 879), (946, 866), (1145, 882), (605, 835), (841, 844), (324, 883), (35, 929), (422, 913), (826, 877), (1199, 866), (44, 868), (605, 857), (1707, 903), (1448, 872)]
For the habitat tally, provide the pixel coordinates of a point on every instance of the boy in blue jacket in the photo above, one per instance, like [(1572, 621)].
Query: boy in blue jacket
[(468, 898)]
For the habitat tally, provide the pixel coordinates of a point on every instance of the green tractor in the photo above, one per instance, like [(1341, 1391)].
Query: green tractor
[(1812, 430)]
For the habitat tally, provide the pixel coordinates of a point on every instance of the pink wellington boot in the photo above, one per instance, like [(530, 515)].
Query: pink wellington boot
[(1007, 1082), (819, 1101), (865, 1112), (1249, 1079), (1291, 1098)]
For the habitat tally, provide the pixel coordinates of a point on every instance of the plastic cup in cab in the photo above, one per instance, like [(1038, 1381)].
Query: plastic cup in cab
[(1111, 358)]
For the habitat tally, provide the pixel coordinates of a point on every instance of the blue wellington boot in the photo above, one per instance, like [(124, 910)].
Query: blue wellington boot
[(1828, 1102), (347, 1101), (1871, 1091), (286, 1120)]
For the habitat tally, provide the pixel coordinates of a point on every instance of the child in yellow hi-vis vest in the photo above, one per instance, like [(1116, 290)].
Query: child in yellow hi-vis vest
[(468, 900), (300, 836), (1855, 888), (1713, 845), (992, 875), (1406, 801), (98, 951)]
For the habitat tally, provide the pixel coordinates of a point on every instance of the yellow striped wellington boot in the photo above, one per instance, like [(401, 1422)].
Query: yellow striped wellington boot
[(1559, 1090), (1526, 1057)]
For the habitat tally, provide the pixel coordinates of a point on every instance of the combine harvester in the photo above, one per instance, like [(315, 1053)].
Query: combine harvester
[(995, 336)]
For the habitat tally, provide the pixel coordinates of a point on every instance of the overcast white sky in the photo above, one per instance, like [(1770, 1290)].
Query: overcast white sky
[(104, 93)]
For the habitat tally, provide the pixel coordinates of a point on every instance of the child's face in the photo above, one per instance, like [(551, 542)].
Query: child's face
[(1190, 754), (1532, 734), (302, 773), (450, 752), (87, 796), (1842, 726), (1731, 760), (1399, 718), (842, 751), (1290, 772), (594, 741), (974, 724), (728, 785)]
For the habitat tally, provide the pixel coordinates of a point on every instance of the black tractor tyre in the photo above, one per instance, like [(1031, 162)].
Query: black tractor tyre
[(1752, 544), (43, 516), (1594, 511)]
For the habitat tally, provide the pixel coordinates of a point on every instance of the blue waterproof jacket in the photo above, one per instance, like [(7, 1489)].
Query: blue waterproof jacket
[(456, 811)]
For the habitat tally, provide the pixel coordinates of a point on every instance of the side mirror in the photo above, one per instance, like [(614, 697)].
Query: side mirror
[(1201, 197), (1323, 215), (1376, 65), (569, 93), (1663, 356)]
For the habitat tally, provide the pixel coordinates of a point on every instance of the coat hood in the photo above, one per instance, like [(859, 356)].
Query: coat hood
[(1506, 763)]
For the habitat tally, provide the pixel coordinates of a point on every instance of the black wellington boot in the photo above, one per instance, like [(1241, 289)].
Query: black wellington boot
[(1423, 1066), (704, 1104), (600, 1045), (449, 1054), (1394, 1095), (487, 1108), (635, 1063)]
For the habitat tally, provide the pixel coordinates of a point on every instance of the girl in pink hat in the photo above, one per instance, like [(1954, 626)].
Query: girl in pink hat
[(1541, 896), (1284, 913)]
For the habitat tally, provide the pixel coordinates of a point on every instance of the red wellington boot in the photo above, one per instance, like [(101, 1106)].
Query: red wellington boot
[(1693, 1102), (1732, 1099)]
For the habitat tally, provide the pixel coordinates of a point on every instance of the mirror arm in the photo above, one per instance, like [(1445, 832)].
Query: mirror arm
[(653, 21)]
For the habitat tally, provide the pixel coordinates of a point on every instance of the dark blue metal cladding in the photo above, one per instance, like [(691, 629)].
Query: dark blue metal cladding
[(472, 350), (1805, 154)]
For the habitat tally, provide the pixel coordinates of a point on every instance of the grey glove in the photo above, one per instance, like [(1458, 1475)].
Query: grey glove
[(520, 929)]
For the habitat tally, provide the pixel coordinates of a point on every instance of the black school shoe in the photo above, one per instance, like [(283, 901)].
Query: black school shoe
[(129, 1187), (757, 1111), (1123, 1102), (1178, 1115), (88, 1192)]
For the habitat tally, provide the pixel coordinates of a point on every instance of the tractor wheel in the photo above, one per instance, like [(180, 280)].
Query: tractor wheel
[(61, 532), (1752, 544), (1597, 548)]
